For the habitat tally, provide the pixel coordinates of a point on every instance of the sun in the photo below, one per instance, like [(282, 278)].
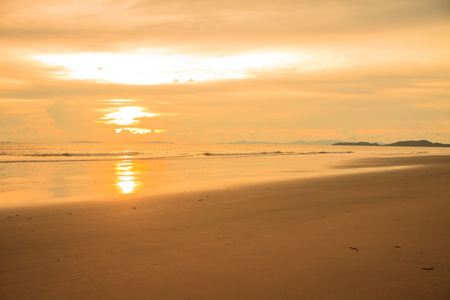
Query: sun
[(127, 115)]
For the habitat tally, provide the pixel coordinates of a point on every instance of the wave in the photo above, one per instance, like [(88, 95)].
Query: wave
[(110, 156), (86, 157), (79, 154), (273, 153)]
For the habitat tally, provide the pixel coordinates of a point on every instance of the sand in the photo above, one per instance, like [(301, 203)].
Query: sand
[(381, 234)]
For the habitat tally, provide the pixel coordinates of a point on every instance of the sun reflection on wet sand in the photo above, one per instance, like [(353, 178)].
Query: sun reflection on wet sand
[(126, 177)]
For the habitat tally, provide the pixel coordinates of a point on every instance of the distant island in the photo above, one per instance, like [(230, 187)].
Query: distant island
[(85, 142), (301, 142), (154, 142), (355, 144), (421, 143)]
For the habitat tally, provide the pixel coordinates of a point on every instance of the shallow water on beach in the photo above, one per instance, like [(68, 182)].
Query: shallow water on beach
[(34, 174)]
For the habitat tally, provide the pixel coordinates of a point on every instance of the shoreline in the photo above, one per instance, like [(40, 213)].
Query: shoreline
[(345, 236)]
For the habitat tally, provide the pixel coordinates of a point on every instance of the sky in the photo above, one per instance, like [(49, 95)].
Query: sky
[(202, 71)]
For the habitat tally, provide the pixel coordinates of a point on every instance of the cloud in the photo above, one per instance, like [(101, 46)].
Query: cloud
[(211, 25), (68, 117), (370, 67)]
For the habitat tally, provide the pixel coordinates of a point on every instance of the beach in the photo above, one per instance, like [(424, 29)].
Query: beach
[(379, 233)]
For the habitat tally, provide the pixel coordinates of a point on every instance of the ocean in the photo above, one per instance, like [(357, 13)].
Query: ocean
[(40, 173)]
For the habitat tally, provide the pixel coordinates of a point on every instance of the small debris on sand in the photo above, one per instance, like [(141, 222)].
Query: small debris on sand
[(353, 248), (428, 268)]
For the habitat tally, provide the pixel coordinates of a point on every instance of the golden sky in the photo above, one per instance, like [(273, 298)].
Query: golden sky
[(220, 71)]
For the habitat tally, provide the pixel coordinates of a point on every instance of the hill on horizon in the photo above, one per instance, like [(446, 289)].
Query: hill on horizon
[(299, 142), (420, 143)]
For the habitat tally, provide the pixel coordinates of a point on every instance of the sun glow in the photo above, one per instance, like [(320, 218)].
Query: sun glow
[(126, 180), (134, 130), (148, 68), (159, 130), (127, 116)]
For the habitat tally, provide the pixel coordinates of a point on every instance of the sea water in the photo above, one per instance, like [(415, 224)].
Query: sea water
[(35, 174)]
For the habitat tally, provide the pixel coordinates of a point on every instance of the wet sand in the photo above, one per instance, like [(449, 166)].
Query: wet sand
[(383, 234)]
